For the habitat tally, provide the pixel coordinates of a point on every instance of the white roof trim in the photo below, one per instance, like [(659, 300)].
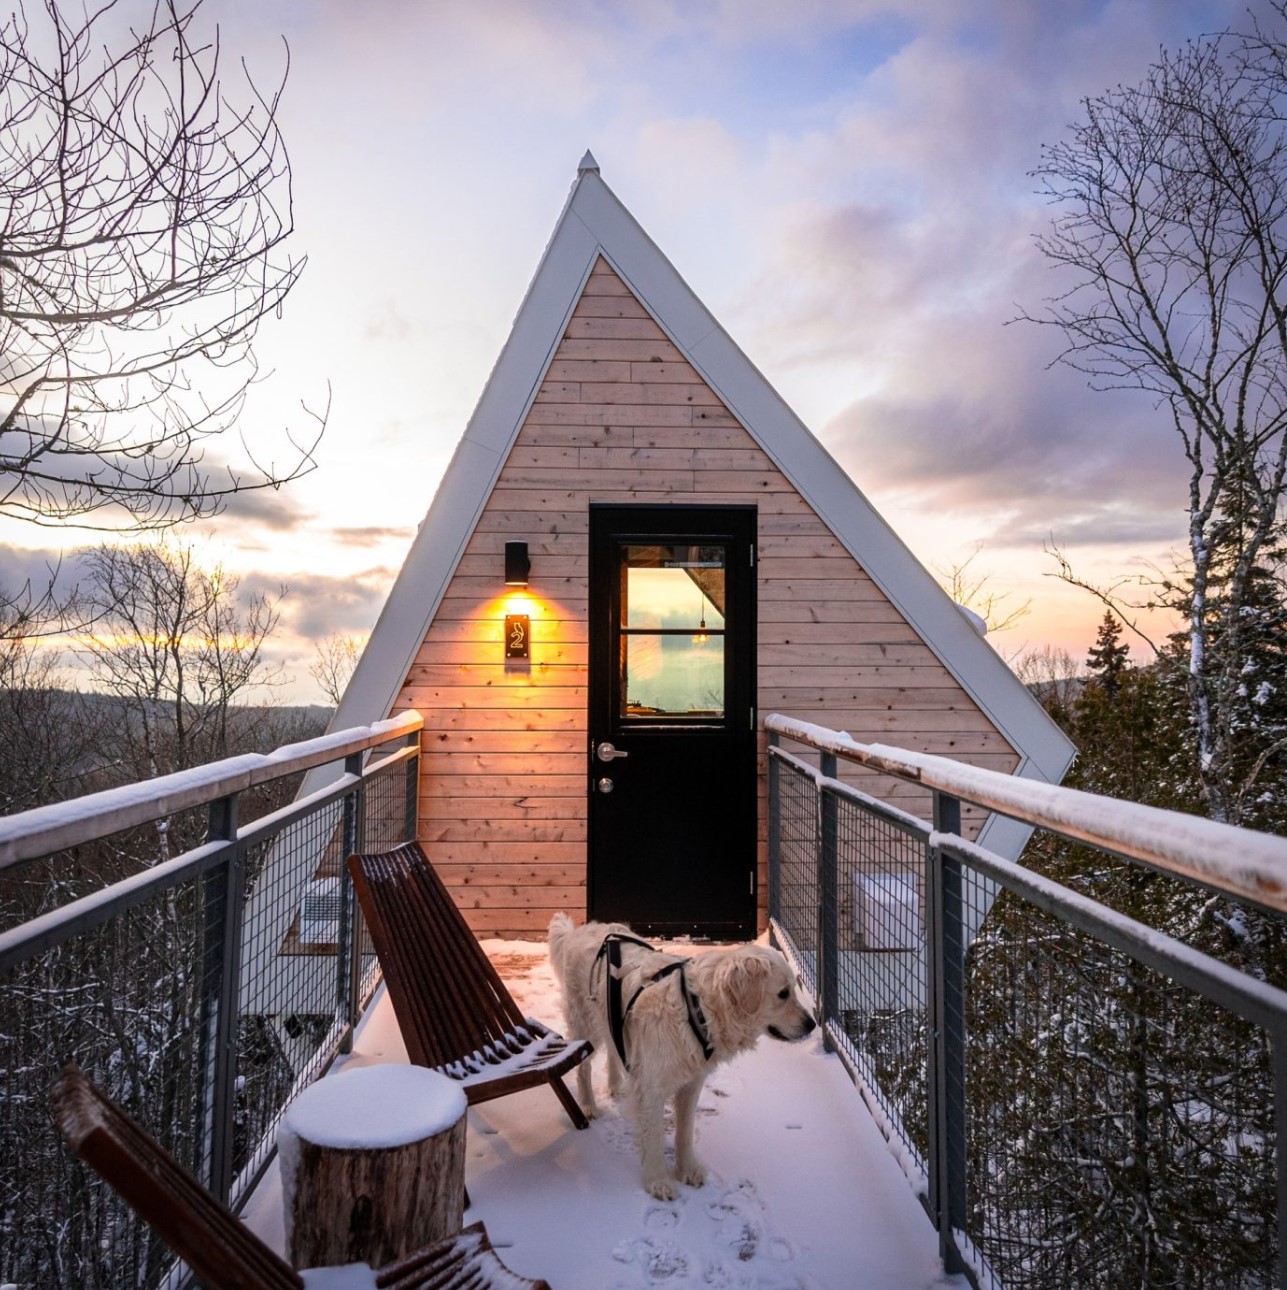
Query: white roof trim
[(593, 223)]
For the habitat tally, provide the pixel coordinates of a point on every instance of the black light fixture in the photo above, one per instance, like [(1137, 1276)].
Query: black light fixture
[(517, 565)]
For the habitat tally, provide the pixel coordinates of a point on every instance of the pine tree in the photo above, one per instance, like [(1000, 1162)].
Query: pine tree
[(1058, 1019), (1108, 657), (1247, 647)]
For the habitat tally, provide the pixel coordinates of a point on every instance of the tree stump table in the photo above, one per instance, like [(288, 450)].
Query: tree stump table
[(373, 1165)]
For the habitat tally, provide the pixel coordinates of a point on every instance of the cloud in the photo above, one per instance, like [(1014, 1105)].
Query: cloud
[(27, 573), (390, 323), (1112, 523), (901, 243), (1045, 454), (844, 182), (317, 604), (274, 509), (373, 535)]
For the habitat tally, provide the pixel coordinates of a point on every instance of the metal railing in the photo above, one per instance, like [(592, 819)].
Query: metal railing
[(1078, 1097), (200, 989)]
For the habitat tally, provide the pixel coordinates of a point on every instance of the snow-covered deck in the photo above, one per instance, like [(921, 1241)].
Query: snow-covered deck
[(802, 1192)]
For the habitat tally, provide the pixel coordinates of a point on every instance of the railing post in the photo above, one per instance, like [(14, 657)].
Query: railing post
[(223, 895), (775, 831), (828, 904), (347, 960), (411, 818), (946, 1074)]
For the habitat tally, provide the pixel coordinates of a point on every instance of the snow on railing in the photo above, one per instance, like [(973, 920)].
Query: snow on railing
[(1240, 862), (186, 982), (1046, 1053), (60, 825)]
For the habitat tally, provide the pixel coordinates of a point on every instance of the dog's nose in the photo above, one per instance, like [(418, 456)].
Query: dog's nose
[(809, 1023)]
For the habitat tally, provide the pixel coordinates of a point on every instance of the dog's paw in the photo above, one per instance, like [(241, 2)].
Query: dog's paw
[(661, 1188), (693, 1175)]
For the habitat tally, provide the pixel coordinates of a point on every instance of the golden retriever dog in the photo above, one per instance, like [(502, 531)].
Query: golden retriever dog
[(679, 1018)]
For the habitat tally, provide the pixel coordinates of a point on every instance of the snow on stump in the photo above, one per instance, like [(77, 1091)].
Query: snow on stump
[(372, 1165)]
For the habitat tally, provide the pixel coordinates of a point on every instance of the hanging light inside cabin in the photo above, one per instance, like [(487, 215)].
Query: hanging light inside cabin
[(701, 638)]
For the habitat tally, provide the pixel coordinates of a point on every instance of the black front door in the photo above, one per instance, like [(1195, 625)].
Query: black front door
[(672, 719)]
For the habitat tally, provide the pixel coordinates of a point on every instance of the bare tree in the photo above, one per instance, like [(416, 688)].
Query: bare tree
[(172, 639), (1172, 235), (1053, 677), (45, 729), (970, 589), (36, 608), (337, 656), (143, 211)]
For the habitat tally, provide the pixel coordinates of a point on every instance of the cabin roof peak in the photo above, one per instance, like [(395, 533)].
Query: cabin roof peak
[(595, 224)]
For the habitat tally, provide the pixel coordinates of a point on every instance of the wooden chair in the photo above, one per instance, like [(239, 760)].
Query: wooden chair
[(465, 1261), (455, 1013), (223, 1253)]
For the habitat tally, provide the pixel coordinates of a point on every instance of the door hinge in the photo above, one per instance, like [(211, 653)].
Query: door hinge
[(752, 718), (752, 555), (752, 890)]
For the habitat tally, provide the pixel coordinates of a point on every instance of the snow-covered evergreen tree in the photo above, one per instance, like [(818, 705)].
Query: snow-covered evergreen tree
[(1108, 657)]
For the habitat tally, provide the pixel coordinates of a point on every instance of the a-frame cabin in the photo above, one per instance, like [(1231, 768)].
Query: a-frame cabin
[(697, 560)]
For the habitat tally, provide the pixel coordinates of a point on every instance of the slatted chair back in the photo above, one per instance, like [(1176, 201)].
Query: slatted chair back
[(222, 1252), (466, 1260), (455, 1012), (448, 997)]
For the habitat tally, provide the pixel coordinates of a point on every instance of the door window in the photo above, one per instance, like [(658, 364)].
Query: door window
[(672, 603)]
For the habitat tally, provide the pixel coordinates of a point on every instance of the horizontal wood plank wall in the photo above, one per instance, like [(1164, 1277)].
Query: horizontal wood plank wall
[(622, 418)]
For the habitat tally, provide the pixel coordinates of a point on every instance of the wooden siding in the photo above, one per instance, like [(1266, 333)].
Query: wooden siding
[(621, 417)]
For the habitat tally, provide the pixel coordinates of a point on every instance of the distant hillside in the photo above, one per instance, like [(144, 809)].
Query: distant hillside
[(60, 743)]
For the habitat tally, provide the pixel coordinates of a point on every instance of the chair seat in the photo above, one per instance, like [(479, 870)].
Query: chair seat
[(466, 1260), (527, 1055)]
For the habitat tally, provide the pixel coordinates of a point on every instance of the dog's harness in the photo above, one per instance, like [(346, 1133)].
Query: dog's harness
[(617, 1015)]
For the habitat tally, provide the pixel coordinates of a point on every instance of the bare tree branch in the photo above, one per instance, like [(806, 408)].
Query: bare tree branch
[(971, 589), (143, 214), (337, 656), (1171, 235)]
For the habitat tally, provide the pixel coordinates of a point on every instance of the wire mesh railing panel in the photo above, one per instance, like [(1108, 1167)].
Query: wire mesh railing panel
[(1080, 1051), (34, 887), (1120, 1126), (200, 990), (881, 991), (389, 818), (796, 862), (292, 999), (131, 1001)]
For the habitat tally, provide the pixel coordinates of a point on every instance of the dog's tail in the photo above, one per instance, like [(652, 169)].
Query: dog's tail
[(560, 926)]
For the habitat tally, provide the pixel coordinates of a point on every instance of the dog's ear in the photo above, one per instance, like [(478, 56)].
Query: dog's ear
[(745, 977)]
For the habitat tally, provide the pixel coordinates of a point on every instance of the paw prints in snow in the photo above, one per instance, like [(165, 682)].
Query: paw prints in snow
[(713, 1238)]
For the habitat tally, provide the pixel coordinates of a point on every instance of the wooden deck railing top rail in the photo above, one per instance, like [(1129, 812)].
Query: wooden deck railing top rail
[(1240, 862), (39, 832)]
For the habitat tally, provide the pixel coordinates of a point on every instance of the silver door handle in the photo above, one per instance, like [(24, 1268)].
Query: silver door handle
[(606, 752)]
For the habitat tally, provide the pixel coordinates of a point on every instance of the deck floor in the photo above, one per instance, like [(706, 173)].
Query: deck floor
[(802, 1192)]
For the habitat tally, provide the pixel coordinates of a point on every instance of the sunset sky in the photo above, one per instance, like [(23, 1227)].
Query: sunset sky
[(844, 183)]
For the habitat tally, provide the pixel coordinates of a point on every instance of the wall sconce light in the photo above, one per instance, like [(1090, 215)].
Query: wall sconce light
[(517, 564)]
